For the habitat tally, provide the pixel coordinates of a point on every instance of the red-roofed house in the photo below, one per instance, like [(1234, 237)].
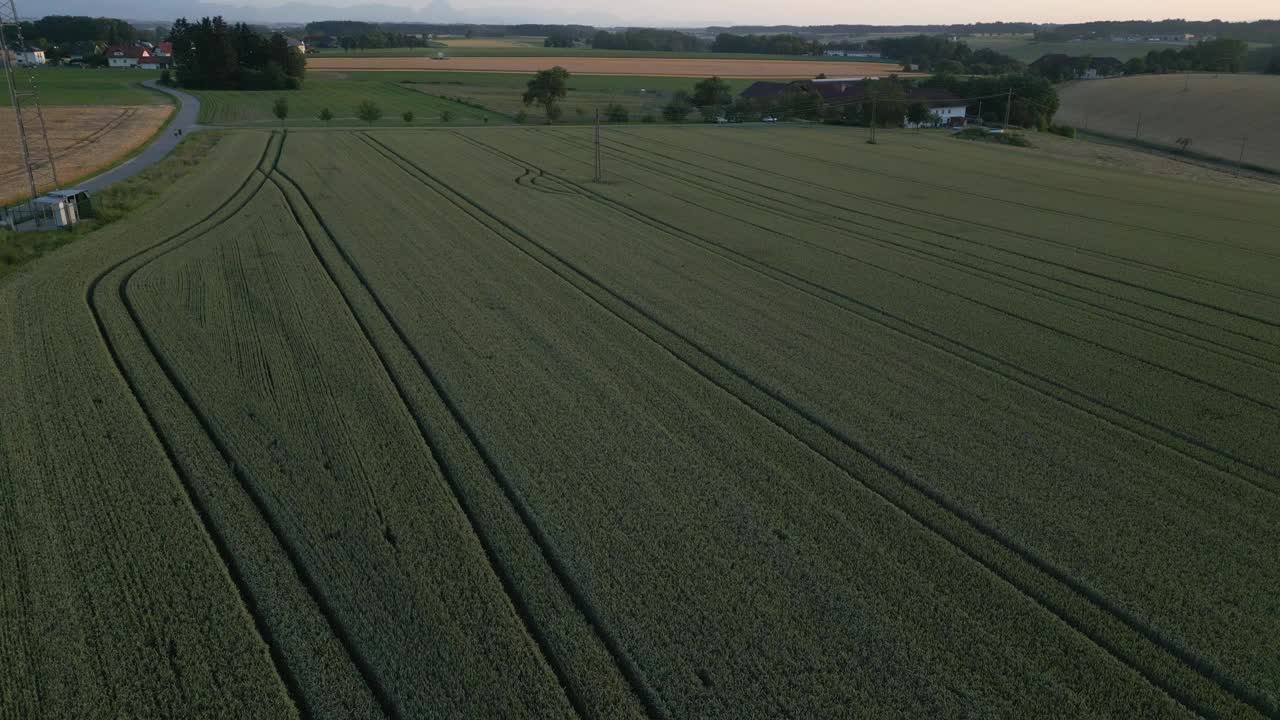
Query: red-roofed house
[(120, 56), (164, 48)]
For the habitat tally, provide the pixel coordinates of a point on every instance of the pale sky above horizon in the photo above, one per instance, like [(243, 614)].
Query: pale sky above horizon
[(696, 13)]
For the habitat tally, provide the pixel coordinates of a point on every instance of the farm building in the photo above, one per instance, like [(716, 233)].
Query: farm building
[(296, 44), (30, 56), (947, 109)]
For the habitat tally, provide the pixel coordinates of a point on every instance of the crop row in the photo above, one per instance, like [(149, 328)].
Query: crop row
[(1138, 489), (116, 601), (515, 325)]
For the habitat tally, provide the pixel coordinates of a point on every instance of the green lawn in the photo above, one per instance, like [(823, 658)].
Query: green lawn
[(571, 52), (428, 94), (340, 93), (502, 92), (85, 86), (1027, 49)]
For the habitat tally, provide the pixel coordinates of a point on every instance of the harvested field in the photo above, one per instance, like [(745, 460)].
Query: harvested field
[(657, 67), (774, 423), (84, 139), (1221, 114)]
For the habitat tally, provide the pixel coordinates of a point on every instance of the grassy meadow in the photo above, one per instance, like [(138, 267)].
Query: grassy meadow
[(92, 86)]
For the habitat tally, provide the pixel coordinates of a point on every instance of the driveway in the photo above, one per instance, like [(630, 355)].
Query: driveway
[(184, 120)]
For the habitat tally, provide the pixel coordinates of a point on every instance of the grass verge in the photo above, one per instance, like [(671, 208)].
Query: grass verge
[(110, 205)]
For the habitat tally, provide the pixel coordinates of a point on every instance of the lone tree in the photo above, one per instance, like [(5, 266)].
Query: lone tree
[(280, 108), (547, 89), (325, 115), (408, 116), (918, 114), (368, 111), (678, 107), (710, 96)]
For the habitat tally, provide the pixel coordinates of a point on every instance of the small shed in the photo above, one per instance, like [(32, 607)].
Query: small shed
[(55, 211)]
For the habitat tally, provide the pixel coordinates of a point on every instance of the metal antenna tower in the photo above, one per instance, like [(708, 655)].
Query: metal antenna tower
[(37, 157)]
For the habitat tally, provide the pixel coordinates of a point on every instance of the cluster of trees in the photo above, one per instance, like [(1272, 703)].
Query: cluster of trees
[(939, 54), (62, 30), (988, 28), (783, 44), (1224, 55), (1059, 67), (212, 55), (646, 39), (1260, 31)]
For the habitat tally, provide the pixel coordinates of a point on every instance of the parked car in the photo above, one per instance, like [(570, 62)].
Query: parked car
[(768, 118)]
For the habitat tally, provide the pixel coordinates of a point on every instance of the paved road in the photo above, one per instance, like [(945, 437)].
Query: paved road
[(185, 120)]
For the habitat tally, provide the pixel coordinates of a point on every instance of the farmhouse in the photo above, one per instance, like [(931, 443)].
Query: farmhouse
[(947, 109), (296, 44), (126, 57)]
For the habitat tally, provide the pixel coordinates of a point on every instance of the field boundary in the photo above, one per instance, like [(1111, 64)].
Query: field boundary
[(643, 691), (1236, 695)]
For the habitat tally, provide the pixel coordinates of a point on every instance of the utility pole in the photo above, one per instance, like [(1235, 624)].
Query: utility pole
[(37, 156), (872, 139), (1137, 131), (599, 157), (1242, 142), (1008, 105), (980, 112), (1186, 82)]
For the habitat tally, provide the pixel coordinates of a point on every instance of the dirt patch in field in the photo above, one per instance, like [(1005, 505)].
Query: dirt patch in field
[(84, 139), (652, 67)]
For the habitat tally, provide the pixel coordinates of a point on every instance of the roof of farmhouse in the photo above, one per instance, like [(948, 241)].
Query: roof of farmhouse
[(845, 90)]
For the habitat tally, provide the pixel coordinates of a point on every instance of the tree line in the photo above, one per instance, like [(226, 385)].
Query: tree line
[(646, 39), (1223, 55), (933, 53), (211, 55)]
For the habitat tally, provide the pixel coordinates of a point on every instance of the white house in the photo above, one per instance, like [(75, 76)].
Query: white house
[(298, 45), (947, 109), (125, 57), (30, 57)]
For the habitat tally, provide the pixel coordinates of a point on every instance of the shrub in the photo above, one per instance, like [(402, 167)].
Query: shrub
[(648, 118), (407, 116), (616, 113), (368, 111), (1064, 130), (446, 116), (325, 114), (522, 117)]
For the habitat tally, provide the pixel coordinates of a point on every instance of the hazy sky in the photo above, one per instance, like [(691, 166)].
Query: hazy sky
[(678, 12)]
